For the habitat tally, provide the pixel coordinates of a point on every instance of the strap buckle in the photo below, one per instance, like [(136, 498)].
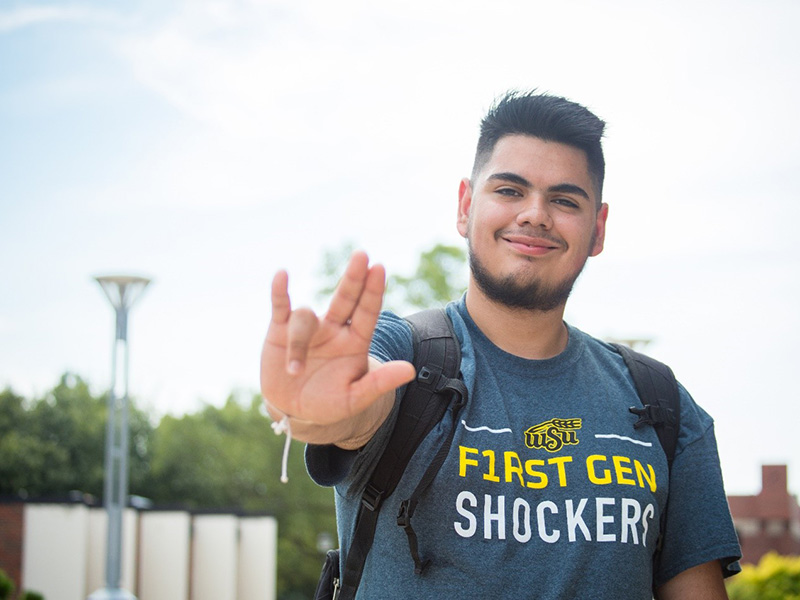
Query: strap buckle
[(429, 377), (651, 414), (371, 498), (405, 514)]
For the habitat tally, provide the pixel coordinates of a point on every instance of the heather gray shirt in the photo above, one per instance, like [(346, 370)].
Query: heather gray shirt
[(548, 491)]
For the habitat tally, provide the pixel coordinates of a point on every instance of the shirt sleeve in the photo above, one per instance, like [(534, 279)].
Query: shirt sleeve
[(329, 465), (698, 526)]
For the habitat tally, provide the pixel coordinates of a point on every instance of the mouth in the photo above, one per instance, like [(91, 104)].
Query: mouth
[(531, 245)]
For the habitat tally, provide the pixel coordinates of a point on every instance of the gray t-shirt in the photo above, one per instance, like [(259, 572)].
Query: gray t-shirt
[(548, 491)]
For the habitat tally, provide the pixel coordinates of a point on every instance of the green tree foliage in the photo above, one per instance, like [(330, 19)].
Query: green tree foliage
[(440, 276), (6, 586), (55, 444), (774, 578)]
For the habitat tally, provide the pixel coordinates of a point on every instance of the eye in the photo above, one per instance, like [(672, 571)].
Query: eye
[(507, 191), (566, 202)]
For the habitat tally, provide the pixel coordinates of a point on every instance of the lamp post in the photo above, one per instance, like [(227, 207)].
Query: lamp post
[(122, 291)]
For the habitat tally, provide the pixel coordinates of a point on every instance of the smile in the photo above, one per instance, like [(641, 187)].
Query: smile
[(531, 246)]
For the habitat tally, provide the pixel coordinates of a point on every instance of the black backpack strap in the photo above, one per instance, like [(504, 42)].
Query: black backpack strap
[(429, 325), (661, 408), (437, 356), (658, 392)]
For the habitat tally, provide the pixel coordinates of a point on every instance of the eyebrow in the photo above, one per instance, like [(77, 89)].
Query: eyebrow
[(512, 178), (563, 188)]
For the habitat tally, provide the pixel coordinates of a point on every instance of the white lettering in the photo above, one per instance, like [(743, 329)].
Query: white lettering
[(629, 520), (620, 520), (602, 519), (523, 534), (499, 517), (575, 519), (550, 538), (649, 513), (472, 523)]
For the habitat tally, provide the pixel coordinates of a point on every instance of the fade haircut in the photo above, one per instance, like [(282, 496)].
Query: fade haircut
[(550, 118)]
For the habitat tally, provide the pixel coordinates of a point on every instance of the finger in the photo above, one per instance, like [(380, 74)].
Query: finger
[(366, 312), (385, 378), (303, 324), (349, 289), (281, 305)]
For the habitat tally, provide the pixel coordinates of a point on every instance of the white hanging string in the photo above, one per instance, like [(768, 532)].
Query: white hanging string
[(280, 427)]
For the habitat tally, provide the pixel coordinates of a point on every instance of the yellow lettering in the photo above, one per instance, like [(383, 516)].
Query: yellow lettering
[(464, 462), (541, 478), (560, 461), (641, 474), (516, 467), (622, 471), (490, 476), (590, 470)]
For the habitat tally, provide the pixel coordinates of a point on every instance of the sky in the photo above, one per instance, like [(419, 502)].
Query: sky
[(206, 144)]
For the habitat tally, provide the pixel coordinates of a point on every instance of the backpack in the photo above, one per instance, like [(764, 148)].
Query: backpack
[(437, 357)]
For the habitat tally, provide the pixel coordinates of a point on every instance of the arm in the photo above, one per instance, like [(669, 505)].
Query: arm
[(318, 370), (703, 582)]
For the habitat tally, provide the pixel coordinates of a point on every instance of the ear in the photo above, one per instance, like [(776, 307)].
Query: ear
[(599, 237), (464, 206)]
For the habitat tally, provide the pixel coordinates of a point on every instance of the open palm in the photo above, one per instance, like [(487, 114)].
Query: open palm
[(318, 370)]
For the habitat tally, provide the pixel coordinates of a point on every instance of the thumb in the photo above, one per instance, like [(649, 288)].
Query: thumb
[(380, 380)]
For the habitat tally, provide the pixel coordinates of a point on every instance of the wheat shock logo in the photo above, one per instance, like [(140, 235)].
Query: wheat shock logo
[(553, 435)]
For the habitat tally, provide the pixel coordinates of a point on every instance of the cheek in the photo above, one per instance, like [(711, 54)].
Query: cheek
[(488, 219)]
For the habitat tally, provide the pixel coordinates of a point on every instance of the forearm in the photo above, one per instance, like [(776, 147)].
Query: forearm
[(703, 582)]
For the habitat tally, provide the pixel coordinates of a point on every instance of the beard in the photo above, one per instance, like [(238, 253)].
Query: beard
[(514, 292)]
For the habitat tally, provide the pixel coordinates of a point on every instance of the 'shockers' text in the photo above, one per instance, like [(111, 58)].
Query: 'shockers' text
[(621, 520)]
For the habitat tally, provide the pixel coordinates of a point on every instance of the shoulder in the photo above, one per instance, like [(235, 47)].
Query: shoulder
[(392, 339), (695, 422)]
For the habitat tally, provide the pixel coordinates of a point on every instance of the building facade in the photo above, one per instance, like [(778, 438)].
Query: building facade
[(770, 520)]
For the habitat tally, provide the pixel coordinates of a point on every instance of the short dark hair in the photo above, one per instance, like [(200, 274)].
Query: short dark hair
[(547, 117)]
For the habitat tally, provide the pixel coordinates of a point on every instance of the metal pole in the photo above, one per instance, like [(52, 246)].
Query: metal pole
[(121, 291)]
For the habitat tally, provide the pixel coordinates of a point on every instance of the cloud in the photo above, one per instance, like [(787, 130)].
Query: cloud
[(27, 16)]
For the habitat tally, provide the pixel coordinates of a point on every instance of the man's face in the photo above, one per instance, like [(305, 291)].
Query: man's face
[(531, 220)]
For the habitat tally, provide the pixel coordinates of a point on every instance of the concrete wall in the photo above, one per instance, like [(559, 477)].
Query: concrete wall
[(96, 549), (96, 565), (215, 556), (258, 558), (54, 551), (164, 555), (170, 555)]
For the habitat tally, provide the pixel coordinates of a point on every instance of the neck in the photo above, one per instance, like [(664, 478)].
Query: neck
[(531, 334)]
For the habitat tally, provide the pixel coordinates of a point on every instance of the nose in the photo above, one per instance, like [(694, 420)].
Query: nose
[(535, 212)]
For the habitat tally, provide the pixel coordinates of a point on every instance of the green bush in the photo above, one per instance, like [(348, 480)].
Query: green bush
[(775, 577), (6, 586)]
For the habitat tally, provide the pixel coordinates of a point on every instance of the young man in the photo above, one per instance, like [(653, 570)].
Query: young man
[(547, 491)]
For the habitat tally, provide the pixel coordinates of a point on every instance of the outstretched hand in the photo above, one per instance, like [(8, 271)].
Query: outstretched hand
[(318, 371)]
